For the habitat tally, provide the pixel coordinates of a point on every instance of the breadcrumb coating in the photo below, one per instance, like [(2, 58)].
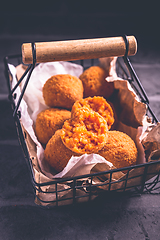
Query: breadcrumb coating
[(94, 82), (119, 149), (56, 153), (62, 90), (49, 121)]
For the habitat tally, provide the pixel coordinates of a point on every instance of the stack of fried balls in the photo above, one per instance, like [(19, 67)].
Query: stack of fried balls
[(80, 119)]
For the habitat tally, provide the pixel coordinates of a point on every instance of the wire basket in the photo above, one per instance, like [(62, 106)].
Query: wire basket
[(138, 178)]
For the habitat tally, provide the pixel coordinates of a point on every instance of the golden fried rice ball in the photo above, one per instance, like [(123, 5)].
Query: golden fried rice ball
[(48, 121), (97, 104), (56, 153), (94, 82), (86, 133), (62, 90), (119, 149)]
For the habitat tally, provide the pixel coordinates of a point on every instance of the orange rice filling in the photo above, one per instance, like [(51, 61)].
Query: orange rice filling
[(97, 104), (86, 132)]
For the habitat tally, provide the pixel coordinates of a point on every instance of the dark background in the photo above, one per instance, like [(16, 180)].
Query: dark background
[(81, 19)]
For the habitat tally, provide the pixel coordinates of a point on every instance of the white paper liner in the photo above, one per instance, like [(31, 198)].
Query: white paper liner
[(25, 117), (78, 165)]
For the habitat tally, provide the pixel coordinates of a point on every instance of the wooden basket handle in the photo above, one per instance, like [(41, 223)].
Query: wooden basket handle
[(78, 49)]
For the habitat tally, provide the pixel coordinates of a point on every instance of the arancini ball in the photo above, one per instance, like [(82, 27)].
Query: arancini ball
[(94, 83), (49, 121), (56, 153), (119, 149), (62, 90)]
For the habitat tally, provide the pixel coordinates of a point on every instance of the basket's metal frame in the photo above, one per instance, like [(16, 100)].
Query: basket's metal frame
[(74, 183)]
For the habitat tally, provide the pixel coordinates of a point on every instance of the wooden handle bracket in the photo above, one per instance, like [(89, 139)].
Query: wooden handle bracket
[(78, 49)]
